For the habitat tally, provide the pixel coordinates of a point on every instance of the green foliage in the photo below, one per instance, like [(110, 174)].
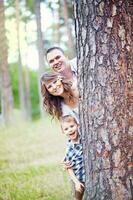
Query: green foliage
[(34, 97), (30, 5), (34, 94), (15, 84), (0, 102)]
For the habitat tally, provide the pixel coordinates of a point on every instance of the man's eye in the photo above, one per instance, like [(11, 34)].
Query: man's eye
[(72, 126), (51, 61), (57, 57)]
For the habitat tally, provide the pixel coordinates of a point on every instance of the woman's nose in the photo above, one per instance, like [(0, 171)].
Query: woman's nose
[(54, 86)]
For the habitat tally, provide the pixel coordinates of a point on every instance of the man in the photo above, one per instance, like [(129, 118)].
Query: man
[(60, 63)]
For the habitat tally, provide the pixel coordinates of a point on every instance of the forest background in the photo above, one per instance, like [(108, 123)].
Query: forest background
[(29, 155)]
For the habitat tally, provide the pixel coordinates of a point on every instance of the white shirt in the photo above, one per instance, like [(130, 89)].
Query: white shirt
[(66, 110)]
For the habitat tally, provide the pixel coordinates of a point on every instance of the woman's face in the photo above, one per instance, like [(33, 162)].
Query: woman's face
[(55, 87)]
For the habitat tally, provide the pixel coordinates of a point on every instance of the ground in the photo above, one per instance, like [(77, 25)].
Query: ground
[(30, 157)]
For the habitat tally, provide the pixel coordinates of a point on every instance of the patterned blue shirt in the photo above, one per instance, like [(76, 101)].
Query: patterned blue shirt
[(74, 154)]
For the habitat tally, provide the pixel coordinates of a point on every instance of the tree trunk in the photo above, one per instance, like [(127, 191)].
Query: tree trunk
[(40, 47), (20, 68), (71, 45), (6, 90), (105, 59), (27, 80)]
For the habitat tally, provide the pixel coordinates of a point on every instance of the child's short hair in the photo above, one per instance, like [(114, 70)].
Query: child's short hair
[(68, 118)]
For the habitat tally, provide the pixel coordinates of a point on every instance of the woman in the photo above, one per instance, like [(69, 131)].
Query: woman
[(60, 96)]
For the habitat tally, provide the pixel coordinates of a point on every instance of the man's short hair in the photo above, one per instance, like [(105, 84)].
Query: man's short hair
[(53, 48)]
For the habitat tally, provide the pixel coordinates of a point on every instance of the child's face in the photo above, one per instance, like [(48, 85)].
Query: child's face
[(70, 129)]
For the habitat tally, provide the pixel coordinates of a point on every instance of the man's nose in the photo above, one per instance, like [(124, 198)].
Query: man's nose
[(55, 62)]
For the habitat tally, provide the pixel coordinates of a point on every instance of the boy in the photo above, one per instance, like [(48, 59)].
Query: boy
[(74, 154)]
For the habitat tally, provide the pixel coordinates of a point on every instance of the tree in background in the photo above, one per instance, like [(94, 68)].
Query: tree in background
[(105, 58), (22, 13), (56, 23), (40, 46), (24, 105), (5, 84), (62, 26), (71, 45)]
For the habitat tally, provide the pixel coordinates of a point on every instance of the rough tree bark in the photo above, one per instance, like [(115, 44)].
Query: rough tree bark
[(5, 87), (104, 33)]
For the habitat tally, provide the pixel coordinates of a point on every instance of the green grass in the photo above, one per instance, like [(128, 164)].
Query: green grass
[(30, 155)]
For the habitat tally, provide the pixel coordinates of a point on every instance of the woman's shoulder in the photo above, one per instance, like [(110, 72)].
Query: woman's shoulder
[(66, 110)]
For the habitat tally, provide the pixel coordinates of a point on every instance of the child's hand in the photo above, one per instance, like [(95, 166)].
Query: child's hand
[(79, 186), (66, 164)]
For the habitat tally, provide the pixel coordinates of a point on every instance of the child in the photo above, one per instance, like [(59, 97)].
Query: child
[(74, 154)]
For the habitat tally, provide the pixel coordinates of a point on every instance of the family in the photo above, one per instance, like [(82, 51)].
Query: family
[(60, 99)]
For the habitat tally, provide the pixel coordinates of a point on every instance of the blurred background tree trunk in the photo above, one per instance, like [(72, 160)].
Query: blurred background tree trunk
[(71, 45), (6, 89), (56, 22), (40, 46), (22, 94), (105, 58), (27, 77)]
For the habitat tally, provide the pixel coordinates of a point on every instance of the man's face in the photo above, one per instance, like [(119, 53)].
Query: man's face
[(57, 60)]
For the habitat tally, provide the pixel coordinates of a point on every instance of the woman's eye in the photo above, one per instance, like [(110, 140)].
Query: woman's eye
[(55, 81), (66, 129)]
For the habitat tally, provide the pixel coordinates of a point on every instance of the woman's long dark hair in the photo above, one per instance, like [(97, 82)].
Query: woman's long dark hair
[(52, 104)]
